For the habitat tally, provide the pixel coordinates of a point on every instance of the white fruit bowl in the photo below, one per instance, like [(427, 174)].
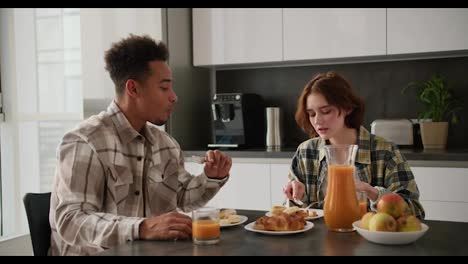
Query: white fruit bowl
[(390, 238)]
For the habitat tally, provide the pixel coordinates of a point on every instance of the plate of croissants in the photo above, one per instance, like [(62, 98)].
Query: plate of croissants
[(281, 223), (309, 214)]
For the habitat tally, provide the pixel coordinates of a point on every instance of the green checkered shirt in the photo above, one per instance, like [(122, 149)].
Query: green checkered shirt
[(378, 162)]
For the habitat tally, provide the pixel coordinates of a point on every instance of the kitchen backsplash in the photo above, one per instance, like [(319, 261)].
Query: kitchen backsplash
[(379, 83)]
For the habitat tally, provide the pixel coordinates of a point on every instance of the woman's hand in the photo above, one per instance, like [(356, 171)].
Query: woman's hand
[(361, 186), (371, 192), (294, 190)]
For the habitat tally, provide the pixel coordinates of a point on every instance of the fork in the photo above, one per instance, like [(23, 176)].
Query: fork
[(296, 202), (198, 159), (310, 205), (300, 203)]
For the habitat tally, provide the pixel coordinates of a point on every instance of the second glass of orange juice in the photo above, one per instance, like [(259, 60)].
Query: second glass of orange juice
[(362, 197)]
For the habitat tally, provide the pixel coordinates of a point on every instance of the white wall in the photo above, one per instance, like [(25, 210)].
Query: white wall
[(100, 27)]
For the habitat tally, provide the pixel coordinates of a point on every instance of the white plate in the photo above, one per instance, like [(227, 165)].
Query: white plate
[(243, 218), (390, 238), (319, 214), (308, 226)]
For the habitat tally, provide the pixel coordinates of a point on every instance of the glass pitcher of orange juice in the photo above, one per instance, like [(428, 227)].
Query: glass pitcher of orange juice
[(341, 207)]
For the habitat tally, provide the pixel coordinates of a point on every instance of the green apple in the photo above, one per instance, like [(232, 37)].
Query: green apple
[(382, 222), (408, 223), (366, 219), (392, 204)]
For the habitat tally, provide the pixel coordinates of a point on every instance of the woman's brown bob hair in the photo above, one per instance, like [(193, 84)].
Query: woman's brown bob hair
[(338, 92)]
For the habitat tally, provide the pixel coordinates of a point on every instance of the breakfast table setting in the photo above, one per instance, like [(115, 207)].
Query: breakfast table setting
[(440, 238), (343, 227)]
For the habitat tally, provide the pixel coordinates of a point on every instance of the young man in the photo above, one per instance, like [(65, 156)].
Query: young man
[(119, 177)]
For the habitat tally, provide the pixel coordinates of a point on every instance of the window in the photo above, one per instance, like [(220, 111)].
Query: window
[(1, 120), (1, 218), (55, 62), (43, 101)]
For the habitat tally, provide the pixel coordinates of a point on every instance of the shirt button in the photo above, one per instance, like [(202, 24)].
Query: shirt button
[(139, 158), (137, 193)]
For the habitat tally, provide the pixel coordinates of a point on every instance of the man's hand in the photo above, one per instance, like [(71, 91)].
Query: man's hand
[(294, 190), (217, 164), (169, 226)]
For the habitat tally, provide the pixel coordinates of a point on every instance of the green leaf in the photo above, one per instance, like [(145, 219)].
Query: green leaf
[(435, 94)]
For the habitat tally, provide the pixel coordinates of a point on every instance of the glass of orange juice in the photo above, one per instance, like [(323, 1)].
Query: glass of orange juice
[(205, 226), (362, 198)]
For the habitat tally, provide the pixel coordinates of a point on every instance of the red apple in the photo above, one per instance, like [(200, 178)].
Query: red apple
[(392, 204), (408, 223), (382, 222), (366, 219)]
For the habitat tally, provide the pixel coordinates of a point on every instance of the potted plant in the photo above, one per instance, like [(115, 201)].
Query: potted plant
[(441, 106)]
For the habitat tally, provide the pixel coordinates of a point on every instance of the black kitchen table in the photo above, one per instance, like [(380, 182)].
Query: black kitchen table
[(442, 238)]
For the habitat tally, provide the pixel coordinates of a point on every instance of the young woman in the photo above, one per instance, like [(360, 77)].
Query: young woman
[(330, 112)]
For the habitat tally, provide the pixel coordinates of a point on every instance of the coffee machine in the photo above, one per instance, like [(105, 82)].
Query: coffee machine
[(238, 121)]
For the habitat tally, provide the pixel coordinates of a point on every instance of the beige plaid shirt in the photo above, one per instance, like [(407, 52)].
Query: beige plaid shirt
[(109, 178)]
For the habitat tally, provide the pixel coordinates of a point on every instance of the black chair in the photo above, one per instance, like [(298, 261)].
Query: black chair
[(37, 207)]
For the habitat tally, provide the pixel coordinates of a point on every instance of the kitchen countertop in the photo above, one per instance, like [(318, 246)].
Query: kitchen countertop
[(416, 157)]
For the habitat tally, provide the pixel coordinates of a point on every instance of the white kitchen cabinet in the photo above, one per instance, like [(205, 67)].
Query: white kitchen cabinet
[(236, 35), (416, 30), (443, 192), (320, 33), (193, 168), (223, 36), (257, 185), (196, 169), (247, 188), (279, 177)]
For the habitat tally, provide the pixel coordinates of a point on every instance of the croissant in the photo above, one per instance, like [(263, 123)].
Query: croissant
[(281, 222)]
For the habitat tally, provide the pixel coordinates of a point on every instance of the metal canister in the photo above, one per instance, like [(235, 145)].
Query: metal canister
[(273, 134)]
